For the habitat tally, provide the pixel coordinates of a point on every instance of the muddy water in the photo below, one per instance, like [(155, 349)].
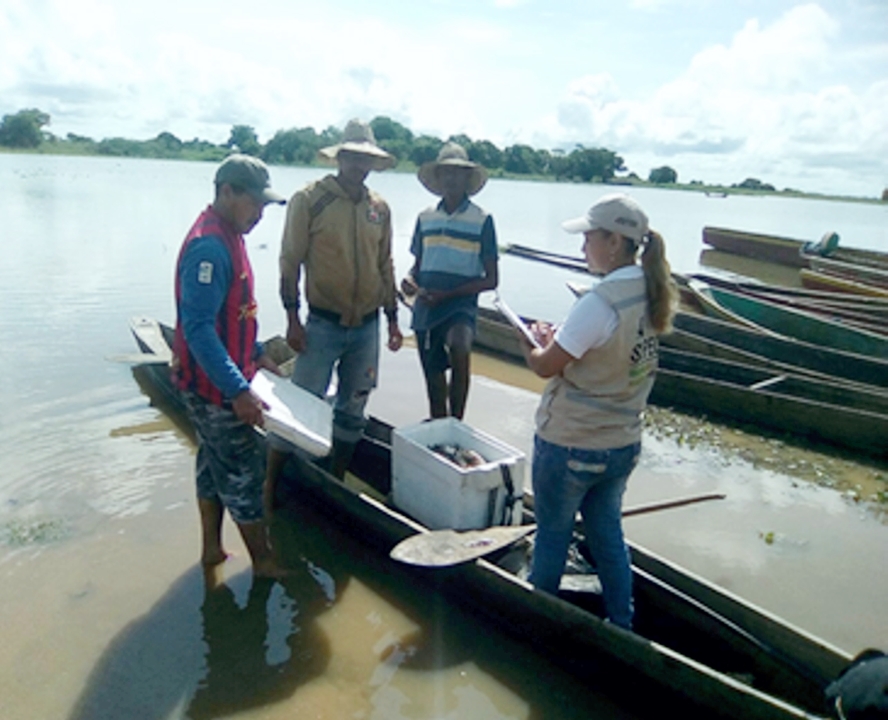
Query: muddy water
[(104, 613), (121, 623)]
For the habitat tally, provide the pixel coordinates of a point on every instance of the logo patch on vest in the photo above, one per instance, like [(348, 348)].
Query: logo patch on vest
[(205, 273)]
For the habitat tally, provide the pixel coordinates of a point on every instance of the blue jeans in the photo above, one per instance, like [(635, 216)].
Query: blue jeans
[(566, 480), (354, 352)]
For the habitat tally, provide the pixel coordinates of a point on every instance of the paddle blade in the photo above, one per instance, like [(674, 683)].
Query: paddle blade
[(444, 548)]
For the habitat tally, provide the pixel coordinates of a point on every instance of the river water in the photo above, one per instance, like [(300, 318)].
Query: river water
[(104, 611)]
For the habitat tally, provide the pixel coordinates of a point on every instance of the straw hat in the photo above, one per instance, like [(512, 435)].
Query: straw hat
[(452, 154), (358, 138)]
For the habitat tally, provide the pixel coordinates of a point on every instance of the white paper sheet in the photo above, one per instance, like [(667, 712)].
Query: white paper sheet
[(516, 321)]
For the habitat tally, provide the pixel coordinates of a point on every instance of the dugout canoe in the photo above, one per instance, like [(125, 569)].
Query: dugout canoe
[(734, 383), (782, 352), (870, 314), (719, 658), (843, 416), (794, 252), (841, 266), (569, 262), (771, 248), (815, 280), (726, 340), (791, 322)]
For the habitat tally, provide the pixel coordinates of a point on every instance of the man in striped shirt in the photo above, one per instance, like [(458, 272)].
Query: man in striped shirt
[(454, 245)]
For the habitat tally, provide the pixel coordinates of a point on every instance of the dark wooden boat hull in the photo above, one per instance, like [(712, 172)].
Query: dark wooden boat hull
[(734, 382), (795, 253), (795, 667), (842, 416), (836, 283), (772, 248), (778, 351), (567, 262), (868, 274)]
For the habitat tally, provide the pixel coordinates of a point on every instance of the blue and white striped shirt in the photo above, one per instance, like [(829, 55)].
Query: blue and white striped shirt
[(451, 250)]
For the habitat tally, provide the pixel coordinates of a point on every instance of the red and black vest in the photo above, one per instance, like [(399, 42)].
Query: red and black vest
[(235, 323)]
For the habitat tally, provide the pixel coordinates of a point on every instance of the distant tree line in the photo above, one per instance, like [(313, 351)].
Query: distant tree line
[(299, 146)]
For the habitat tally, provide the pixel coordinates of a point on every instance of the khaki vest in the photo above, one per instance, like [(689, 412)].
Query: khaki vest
[(597, 401)]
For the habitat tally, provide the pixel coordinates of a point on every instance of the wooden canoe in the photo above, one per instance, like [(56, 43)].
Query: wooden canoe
[(778, 351), (869, 314), (727, 340), (771, 248), (843, 416), (876, 275), (698, 651), (795, 323), (830, 249), (836, 283), (735, 383), (569, 262), (793, 252)]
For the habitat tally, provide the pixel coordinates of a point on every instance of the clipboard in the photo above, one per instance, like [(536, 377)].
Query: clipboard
[(515, 321)]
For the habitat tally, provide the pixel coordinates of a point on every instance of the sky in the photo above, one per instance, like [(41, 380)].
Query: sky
[(791, 93)]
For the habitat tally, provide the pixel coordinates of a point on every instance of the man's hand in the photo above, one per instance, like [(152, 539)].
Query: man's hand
[(395, 337), (409, 286), (433, 297), (264, 362), (296, 335), (248, 407)]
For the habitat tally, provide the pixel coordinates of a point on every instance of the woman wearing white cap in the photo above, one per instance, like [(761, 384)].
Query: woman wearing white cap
[(601, 362)]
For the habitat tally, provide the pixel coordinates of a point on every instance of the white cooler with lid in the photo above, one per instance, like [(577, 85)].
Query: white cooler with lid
[(439, 493)]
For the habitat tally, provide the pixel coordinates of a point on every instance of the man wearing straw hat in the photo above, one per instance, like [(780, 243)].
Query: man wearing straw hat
[(454, 244), (340, 232)]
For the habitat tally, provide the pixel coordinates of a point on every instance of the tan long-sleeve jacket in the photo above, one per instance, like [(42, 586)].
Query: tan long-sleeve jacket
[(345, 249)]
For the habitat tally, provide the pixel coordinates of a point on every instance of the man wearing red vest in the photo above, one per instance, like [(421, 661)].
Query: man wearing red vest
[(216, 354)]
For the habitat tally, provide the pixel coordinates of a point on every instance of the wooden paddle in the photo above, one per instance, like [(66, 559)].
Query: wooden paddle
[(445, 548)]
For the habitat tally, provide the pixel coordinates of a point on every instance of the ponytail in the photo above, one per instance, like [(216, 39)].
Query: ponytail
[(662, 295)]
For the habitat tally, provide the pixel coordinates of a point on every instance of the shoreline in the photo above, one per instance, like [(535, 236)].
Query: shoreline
[(715, 192)]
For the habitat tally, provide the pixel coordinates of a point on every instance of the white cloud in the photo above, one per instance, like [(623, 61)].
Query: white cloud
[(800, 84), (751, 103)]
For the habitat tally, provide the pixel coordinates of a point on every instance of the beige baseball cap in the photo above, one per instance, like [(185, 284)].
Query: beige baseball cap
[(617, 213)]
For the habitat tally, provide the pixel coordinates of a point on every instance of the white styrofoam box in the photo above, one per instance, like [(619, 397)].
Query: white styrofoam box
[(439, 493), (295, 414)]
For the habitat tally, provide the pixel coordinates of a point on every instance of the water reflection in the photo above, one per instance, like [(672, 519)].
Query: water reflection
[(210, 648), (259, 652), (345, 635)]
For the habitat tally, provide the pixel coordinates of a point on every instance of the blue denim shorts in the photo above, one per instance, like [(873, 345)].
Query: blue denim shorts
[(230, 466)]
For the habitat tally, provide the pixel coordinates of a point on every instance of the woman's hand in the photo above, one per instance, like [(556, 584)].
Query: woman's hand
[(543, 332)]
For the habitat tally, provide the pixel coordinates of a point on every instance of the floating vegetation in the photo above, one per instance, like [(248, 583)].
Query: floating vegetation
[(20, 533), (856, 480)]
